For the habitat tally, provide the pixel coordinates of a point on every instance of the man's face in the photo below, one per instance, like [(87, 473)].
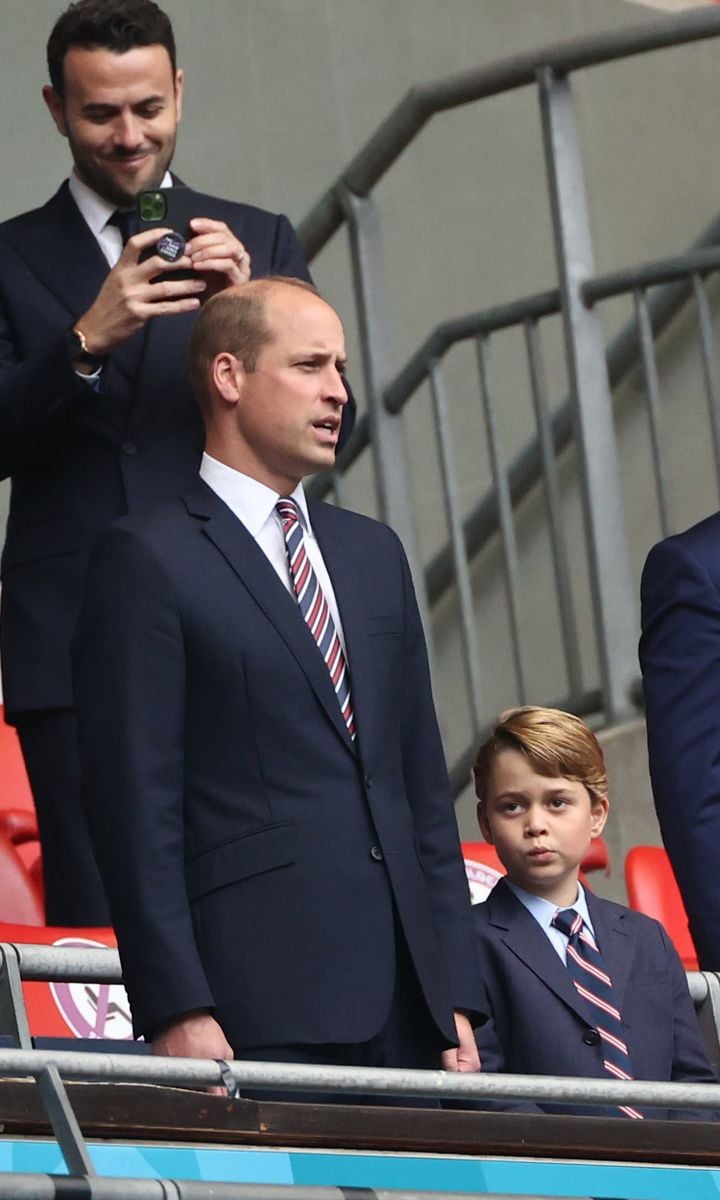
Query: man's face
[(120, 114), (290, 407), (540, 825)]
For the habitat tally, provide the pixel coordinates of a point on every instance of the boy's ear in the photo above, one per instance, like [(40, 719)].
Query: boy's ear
[(483, 823), (600, 806)]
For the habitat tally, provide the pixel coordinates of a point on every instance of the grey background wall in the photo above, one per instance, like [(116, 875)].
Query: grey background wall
[(281, 93)]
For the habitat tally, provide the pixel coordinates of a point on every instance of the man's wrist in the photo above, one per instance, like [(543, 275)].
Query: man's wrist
[(82, 357)]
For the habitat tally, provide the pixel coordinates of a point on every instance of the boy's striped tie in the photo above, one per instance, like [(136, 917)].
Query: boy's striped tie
[(589, 974), (314, 608)]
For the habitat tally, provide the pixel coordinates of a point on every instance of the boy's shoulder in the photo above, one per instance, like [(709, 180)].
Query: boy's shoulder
[(502, 908)]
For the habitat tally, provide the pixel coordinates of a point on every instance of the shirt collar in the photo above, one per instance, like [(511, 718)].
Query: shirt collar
[(544, 910), (95, 209), (251, 501)]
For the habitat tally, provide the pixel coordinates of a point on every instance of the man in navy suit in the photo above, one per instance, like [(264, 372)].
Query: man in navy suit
[(542, 796), (97, 418), (680, 660), (280, 851)]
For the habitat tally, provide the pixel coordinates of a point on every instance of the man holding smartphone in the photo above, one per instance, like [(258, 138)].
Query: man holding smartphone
[(97, 418)]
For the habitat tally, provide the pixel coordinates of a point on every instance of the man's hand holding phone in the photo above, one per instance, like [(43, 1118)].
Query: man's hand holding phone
[(218, 255), (129, 297)]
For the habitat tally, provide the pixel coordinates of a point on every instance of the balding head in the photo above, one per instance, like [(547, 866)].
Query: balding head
[(267, 362), (234, 321)]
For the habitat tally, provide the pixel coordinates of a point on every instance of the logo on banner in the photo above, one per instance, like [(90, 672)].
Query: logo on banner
[(481, 879), (92, 1010)]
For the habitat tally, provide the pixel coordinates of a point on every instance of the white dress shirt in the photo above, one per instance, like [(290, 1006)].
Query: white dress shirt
[(544, 910), (97, 212), (254, 505)]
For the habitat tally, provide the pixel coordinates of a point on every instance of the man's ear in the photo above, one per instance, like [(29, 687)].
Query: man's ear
[(56, 108), (179, 85), (228, 375)]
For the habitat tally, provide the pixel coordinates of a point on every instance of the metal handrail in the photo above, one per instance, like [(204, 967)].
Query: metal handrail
[(378, 1081), (647, 275), (423, 101), (62, 963)]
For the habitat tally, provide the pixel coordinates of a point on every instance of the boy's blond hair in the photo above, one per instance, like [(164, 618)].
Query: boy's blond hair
[(555, 743)]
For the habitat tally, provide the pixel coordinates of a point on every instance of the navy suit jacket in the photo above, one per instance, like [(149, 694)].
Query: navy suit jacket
[(541, 1026), (255, 858), (680, 660), (79, 460)]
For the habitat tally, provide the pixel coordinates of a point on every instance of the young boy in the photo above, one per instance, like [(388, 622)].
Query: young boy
[(598, 990)]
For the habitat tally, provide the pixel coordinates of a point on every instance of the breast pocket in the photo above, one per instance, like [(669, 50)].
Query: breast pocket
[(384, 624)]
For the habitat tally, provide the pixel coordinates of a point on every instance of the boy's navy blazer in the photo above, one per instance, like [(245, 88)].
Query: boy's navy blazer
[(256, 859), (541, 1026), (78, 460)]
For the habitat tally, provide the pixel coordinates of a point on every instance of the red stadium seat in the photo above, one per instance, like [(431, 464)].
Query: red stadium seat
[(652, 889), (20, 899), (17, 810), (14, 786)]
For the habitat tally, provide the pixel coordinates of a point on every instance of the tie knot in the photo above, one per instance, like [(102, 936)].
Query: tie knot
[(126, 221), (287, 511), (568, 921)]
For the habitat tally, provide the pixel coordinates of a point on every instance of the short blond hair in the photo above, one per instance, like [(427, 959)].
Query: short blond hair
[(555, 743)]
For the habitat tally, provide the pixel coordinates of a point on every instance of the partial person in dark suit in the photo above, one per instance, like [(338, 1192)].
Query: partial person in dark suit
[(97, 417), (275, 831), (680, 661), (542, 795)]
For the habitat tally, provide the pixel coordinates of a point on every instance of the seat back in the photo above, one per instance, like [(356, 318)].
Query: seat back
[(652, 889), (17, 809), (14, 784), (20, 899)]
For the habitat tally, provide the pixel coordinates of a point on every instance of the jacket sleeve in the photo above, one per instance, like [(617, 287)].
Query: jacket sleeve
[(427, 787), (287, 253), (680, 661), (38, 395), (129, 678)]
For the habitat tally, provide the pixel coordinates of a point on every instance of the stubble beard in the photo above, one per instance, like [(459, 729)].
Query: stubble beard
[(105, 184)]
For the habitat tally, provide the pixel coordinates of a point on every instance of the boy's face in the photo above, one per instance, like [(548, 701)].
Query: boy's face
[(540, 825)]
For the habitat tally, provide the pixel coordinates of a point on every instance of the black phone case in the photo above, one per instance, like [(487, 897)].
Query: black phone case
[(179, 204)]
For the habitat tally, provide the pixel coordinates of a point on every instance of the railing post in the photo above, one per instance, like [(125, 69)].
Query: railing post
[(13, 1014), (615, 605), (386, 430)]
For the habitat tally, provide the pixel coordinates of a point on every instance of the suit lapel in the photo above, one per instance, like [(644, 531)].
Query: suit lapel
[(616, 940), (252, 567), (62, 252), (349, 593), (530, 944)]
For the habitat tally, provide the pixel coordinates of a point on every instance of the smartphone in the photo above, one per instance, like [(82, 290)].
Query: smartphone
[(168, 208)]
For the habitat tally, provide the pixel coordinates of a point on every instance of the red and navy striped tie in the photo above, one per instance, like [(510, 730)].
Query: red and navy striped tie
[(589, 974), (315, 609)]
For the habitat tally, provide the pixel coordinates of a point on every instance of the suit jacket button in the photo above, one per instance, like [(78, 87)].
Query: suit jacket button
[(377, 854), (591, 1037), (368, 781), (129, 448)]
